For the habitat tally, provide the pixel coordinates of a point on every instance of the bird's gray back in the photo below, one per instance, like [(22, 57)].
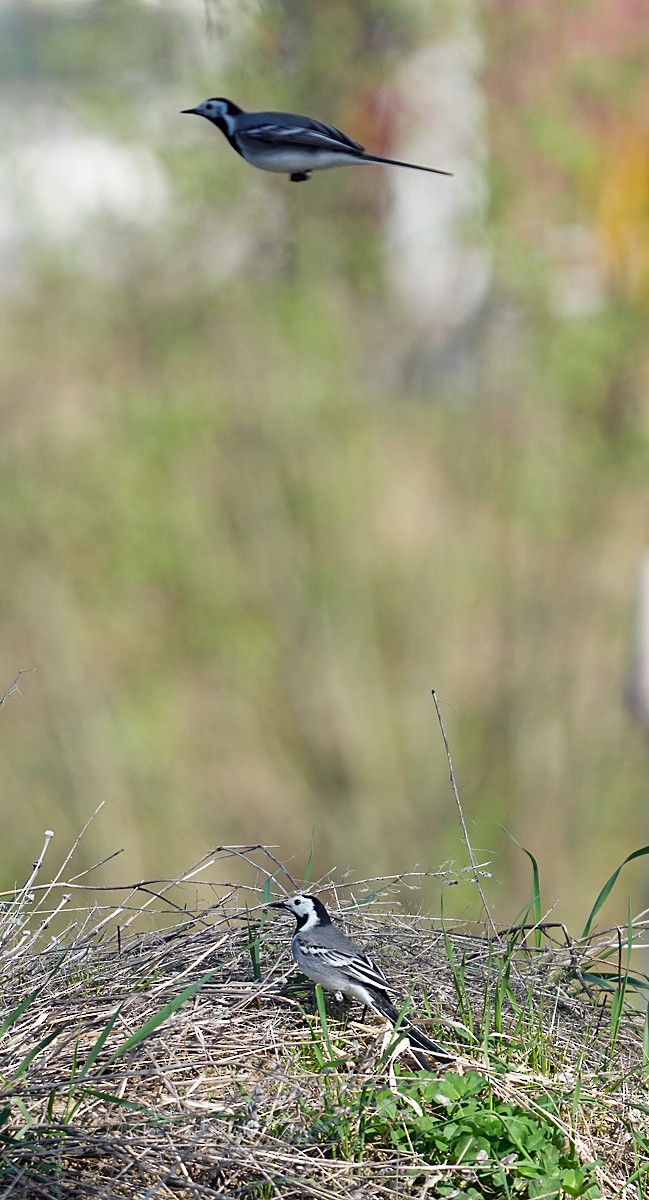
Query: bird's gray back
[(331, 938)]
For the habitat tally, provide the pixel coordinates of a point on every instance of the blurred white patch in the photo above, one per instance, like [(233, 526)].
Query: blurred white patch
[(80, 190), (63, 184), (439, 258)]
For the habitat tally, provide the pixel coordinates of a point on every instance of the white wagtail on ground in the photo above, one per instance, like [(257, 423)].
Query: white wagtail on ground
[(288, 143), (329, 958)]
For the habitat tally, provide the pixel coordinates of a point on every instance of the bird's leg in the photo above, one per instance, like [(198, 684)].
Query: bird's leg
[(299, 176)]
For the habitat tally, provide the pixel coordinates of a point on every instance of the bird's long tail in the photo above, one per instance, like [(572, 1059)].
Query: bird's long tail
[(416, 1037), (395, 162)]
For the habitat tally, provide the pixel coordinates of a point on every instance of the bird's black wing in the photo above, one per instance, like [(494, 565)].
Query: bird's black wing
[(279, 129)]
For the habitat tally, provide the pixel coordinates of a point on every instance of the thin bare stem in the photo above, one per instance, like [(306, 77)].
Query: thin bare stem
[(68, 856), (465, 832), (12, 919)]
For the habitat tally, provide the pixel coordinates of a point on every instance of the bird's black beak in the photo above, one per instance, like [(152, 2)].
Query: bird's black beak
[(189, 110), (277, 904)]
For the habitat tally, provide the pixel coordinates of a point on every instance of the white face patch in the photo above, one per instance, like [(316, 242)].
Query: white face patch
[(303, 907), (212, 108)]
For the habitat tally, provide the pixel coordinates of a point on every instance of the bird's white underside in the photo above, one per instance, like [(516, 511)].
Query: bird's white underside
[(288, 161)]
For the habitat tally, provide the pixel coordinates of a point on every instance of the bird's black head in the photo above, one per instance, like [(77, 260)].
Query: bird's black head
[(308, 911), (219, 111)]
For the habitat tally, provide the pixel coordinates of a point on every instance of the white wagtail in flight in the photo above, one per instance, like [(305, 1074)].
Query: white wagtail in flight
[(329, 958), (287, 143)]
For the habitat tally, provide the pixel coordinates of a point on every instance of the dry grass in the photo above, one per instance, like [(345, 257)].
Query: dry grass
[(241, 1090)]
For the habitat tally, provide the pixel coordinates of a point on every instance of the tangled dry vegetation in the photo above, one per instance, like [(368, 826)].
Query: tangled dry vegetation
[(156, 1042)]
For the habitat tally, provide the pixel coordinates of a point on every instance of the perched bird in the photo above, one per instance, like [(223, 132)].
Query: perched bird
[(329, 958), (287, 143)]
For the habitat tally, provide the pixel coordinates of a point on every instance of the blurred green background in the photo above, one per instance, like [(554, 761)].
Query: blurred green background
[(277, 460)]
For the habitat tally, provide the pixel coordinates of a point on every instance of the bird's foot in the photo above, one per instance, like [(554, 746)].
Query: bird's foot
[(300, 176)]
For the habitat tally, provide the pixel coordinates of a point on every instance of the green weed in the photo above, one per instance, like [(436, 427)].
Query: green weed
[(509, 1149)]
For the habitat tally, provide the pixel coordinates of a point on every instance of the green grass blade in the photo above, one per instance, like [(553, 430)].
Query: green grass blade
[(322, 1014), (254, 943), (537, 911), (155, 1118), (160, 1016), (99, 1043), (17, 1012), (29, 1058), (309, 865), (608, 887), (265, 895), (457, 974), (253, 948)]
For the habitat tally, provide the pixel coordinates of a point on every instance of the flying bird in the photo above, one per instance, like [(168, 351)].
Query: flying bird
[(289, 144)]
